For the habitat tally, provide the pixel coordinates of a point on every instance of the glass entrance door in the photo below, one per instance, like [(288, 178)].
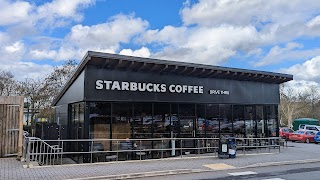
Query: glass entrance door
[(187, 131), (187, 120)]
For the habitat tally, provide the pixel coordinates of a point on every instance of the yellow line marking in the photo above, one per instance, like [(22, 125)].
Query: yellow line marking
[(219, 166)]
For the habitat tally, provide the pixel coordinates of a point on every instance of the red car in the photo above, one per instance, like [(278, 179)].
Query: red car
[(285, 132), (303, 136)]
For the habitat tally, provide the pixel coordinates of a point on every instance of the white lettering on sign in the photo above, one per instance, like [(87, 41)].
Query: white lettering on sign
[(149, 87), (218, 92)]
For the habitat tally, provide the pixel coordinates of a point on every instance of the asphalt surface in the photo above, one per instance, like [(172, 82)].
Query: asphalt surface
[(308, 171)]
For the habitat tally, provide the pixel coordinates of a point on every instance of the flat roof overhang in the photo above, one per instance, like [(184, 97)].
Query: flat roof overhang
[(138, 64)]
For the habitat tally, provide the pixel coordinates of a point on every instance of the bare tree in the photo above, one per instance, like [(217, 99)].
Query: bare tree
[(59, 77), (313, 99), (36, 95), (7, 83), (292, 105)]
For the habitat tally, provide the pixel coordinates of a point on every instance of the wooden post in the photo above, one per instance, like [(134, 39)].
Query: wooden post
[(20, 127)]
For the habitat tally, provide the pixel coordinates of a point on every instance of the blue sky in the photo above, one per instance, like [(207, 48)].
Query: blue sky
[(278, 36)]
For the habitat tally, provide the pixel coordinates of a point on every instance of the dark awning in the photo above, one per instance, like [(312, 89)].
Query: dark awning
[(138, 64)]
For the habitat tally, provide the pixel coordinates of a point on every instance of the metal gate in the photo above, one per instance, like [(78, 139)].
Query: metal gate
[(10, 125)]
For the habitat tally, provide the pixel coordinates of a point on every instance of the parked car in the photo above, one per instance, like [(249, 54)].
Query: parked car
[(307, 127), (317, 138), (307, 136), (285, 132), (294, 136), (303, 136)]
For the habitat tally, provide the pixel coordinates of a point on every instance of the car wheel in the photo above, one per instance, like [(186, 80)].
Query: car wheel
[(307, 140), (316, 142), (293, 141)]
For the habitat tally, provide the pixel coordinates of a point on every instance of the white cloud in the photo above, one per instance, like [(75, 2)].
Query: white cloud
[(265, 22), (314, 22), (47, 15), (10, 50), (14, 12), (23, 70), (105, 37), (143, 52), (291, 52), (210, 45), (307, 71), (58, 12), (244, 12), (300, 86), (16, 47)]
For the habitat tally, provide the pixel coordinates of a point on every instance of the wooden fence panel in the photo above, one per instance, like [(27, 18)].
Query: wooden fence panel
[(11, 114)]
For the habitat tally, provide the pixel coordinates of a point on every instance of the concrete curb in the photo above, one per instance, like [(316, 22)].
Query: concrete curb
[(145, 174), (282, 163)]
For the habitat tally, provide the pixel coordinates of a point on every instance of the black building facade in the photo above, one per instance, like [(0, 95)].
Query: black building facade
[(117, 97)]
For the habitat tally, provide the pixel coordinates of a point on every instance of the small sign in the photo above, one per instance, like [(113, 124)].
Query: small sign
[(218, 92), (224, 148)]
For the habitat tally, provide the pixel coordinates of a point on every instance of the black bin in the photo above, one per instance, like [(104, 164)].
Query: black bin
[(223, 152)]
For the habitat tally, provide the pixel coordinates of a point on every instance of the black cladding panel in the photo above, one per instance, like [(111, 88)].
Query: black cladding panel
[(240, 92), (75, 92)]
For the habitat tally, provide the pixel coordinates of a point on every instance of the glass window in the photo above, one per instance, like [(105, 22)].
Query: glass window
[(250, 122), (100, 124), (238, 122), (174, 120), (272, 114), (76, 129), (201, 118), (161, 124), (187, 118), (122, 115), (212, 120), (261, 128), (225, 119), (142, 120), (77, 121)]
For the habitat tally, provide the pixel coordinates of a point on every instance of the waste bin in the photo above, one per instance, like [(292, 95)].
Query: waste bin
[(223, 148), (232, 145)]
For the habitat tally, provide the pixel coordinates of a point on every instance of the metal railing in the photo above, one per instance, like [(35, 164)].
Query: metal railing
[(52, 152), (35, 149)]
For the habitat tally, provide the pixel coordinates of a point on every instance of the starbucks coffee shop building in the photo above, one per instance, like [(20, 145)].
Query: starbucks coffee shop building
[(116, 97)]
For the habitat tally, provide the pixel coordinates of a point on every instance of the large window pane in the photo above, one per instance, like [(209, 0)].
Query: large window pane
[(212, 120), (161, 124), (142, 120), (122, 115), (238, 122), (187, 118), (225, 119), (201, 118), (260, 122), (272, 117), (76, 128), (174, 120), (250, 123), (100, 123)]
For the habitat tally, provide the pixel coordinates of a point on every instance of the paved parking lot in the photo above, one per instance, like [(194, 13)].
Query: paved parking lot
[(13, 169)]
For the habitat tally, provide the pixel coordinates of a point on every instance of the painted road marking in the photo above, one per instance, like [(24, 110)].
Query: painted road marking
[(274, 179), (219, 166), (242, 173)]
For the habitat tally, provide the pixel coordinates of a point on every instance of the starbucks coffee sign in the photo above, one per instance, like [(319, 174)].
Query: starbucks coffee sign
[(148, 87)]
